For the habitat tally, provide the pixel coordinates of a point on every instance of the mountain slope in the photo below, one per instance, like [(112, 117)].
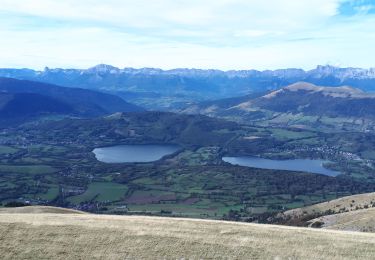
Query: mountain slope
[(355, 213), (87, 236), (214, 107), (23, 107), (349, 203), (301, 105), (30, 104), (362, 220), (312, 100), (83, 102)]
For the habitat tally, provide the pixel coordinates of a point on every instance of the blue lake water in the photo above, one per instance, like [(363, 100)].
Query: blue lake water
[(133, 153), (304, 165)]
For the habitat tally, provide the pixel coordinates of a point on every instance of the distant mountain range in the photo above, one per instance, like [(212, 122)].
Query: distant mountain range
[(167, 89), (22, 99), (299, 104)]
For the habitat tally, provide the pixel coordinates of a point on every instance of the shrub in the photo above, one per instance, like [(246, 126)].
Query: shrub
[(14, 204)]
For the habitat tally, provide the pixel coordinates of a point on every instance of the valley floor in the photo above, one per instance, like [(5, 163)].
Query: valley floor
[(25, 234)]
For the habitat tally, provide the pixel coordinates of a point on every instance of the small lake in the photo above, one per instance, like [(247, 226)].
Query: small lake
[(304, 165), (133, 153)]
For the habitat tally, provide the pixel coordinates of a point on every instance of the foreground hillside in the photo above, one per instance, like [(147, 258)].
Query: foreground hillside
[(39, 209), (86, 236)]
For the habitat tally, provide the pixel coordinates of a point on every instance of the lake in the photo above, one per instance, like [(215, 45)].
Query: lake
[(304, 165), (133, 153)]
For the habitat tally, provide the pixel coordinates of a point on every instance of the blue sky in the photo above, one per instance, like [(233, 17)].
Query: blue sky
[(219, 34)]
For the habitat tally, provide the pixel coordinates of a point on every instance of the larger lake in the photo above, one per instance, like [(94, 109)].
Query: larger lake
[(304, 165), (133, 153)]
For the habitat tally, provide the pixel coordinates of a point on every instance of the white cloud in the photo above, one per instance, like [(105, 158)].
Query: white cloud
[(225, 34), (189, 13), (255, 33)]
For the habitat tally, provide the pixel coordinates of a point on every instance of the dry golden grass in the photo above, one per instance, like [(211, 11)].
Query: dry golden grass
[(88, 236), (349, 203), (40, 209), (359, 220)]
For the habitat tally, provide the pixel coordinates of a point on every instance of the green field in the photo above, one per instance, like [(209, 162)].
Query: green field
[(7, 149), (28, 169), (101, 192), (284, 134), (51, 194)]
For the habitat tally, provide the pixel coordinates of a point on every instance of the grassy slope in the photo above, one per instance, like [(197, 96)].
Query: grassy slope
[(350, 203), (359, 220), (86, 236), (350, 213)]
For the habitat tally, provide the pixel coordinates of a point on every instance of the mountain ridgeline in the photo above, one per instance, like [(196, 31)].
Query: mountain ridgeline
[(165, 89)]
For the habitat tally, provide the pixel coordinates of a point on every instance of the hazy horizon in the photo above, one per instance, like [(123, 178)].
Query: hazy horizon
[(188, 68)]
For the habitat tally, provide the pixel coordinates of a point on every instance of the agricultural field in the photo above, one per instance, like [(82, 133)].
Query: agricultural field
[(53, 164), (101, 192), (284, 134)]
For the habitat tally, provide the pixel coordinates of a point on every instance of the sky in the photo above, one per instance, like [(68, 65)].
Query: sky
[(207, 34)]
